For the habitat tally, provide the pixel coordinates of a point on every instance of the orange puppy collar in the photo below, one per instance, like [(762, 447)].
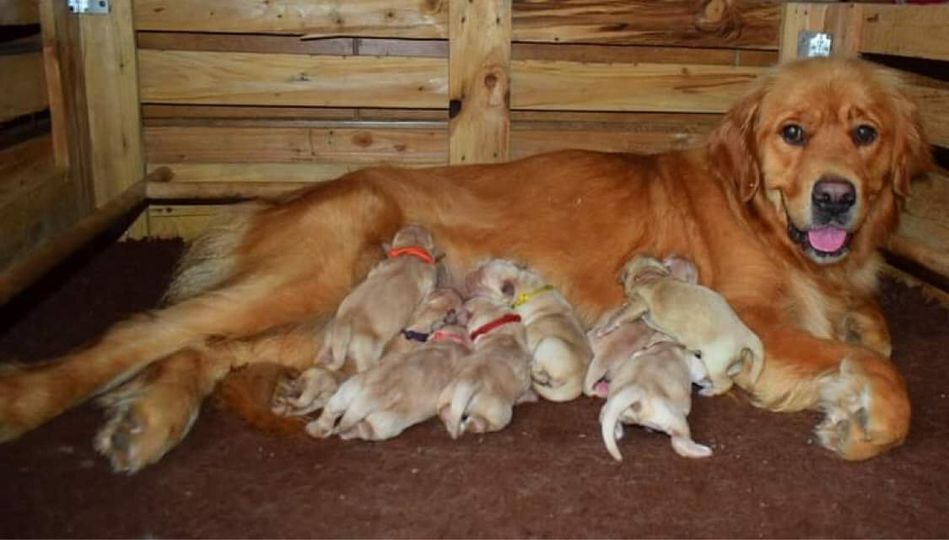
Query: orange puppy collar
[(414, 251)]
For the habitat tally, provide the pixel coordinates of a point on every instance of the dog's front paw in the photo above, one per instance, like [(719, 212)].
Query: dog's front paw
[(304, 394), (866, 409), (143, 425)]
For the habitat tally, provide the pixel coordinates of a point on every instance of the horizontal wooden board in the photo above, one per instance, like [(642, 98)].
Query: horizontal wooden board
[(282, 145), (257, 172), (923, 234), (933, 98), (290, 79), (179, 221), (297, 80), (39, 211), (17, 12), (23, 85), (628, 87), (710, 23), (23, 164), (917, 31)]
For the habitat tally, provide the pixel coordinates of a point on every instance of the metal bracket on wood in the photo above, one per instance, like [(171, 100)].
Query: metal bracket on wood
[(811, 44), (88, 6)]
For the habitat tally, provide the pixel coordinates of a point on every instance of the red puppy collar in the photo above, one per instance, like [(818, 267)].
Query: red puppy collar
[(415, 251), (509, 318)]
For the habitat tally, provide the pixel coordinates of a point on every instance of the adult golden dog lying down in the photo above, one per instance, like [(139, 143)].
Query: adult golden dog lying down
[(782, 211)]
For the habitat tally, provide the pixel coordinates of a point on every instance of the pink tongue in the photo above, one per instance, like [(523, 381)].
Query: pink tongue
[(827, 239)]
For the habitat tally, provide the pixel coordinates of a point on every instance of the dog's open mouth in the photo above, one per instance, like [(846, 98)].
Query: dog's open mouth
[(826, 243)]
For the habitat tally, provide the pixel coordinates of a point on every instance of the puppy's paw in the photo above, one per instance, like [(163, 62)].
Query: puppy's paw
[(866, 409), (143, 425), (686, 447), (307, 393), (320, 429)]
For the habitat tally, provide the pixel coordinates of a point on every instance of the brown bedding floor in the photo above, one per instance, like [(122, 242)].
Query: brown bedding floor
[(547, 475)]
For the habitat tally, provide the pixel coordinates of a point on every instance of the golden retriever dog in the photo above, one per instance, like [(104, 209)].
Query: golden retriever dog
[(782, 210), (375, 311), (403, 389), (555, 338), (652, 388), (694, 316), (495, 377)]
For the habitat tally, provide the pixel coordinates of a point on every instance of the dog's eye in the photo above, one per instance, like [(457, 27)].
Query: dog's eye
[(793, 134), (864, 135)]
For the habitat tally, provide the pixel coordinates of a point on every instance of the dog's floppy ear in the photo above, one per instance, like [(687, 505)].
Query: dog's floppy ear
[(911, 152), (732, 147)]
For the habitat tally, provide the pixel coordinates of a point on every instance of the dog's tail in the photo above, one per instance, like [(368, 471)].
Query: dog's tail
[(610, 427), (247, 392), (340, 335), (454, 411)]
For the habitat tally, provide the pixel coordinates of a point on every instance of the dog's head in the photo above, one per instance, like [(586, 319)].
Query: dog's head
[(824, 149)]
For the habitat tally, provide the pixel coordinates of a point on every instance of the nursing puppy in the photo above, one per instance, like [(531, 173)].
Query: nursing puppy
[(402, 390), (374, 312), (693, 315), (652, 388), (495, 377), (555, 338), (313, 388)]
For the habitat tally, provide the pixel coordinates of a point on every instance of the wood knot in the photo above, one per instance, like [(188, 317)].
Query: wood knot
[(362, 139)]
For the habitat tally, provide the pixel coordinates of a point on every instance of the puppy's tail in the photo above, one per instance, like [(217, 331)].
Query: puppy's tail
[(610, 427), (454, 412), (341, 334)]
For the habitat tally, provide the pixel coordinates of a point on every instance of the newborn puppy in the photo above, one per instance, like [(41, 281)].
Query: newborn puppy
[(374, 312), (652, 388), (695, 316), (400, 391), (560, 350), (495, 377), (611, 349), (313, 388)]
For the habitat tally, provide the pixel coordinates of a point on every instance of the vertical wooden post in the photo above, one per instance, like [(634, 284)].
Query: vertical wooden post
[(843, 21), (479, 82)]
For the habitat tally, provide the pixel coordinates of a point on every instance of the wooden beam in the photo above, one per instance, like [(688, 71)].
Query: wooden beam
[(291, 79), (18, 12), (23, 164), (111, 77), (843, 21), (917, 31), (39, 210), (923, 234), (258, 172), (479, 81), (933, 98), (183, 77), (23, 85), (749, 24), (210, 191), (421, 19)]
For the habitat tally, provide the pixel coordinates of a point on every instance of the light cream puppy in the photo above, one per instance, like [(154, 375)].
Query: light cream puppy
[(695, 316), (652, 388), (374, 312), (611, 349), (495, 377), (400, 391), (560, 350), (313, 388)]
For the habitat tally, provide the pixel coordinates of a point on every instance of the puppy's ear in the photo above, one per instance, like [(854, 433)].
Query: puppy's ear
[(507, 288), (732, 148), (911, 153)]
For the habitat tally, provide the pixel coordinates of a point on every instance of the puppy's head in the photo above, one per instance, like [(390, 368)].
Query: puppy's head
[(414, 235), (439, 307), (641, 268), (501, 280), (825, 148), (866, 407), (681, 268)]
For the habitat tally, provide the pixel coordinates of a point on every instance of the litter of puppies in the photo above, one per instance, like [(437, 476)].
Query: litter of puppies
[(411, 343)]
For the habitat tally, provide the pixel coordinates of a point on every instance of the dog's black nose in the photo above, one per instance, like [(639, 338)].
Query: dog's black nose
[(833, 195)]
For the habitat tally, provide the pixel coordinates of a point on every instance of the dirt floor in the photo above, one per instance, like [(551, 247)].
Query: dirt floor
[(547, 475)]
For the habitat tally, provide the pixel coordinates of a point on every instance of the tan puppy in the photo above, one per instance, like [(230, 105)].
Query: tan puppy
[(693, 315), (652, 388), (399, 392), (374, 312), (611, 349), (314, 387), (495, 377), (555, 338)]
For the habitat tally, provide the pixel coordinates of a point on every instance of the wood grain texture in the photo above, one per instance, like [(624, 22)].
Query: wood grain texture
[(918, 31), (23, 164), (923, 234), (16, 12), (289, 79), (22, 86), (479, 81), (933, 98), (841, 20), (749, 24)]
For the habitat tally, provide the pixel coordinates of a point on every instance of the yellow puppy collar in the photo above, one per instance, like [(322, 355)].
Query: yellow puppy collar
[(524, 298)]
